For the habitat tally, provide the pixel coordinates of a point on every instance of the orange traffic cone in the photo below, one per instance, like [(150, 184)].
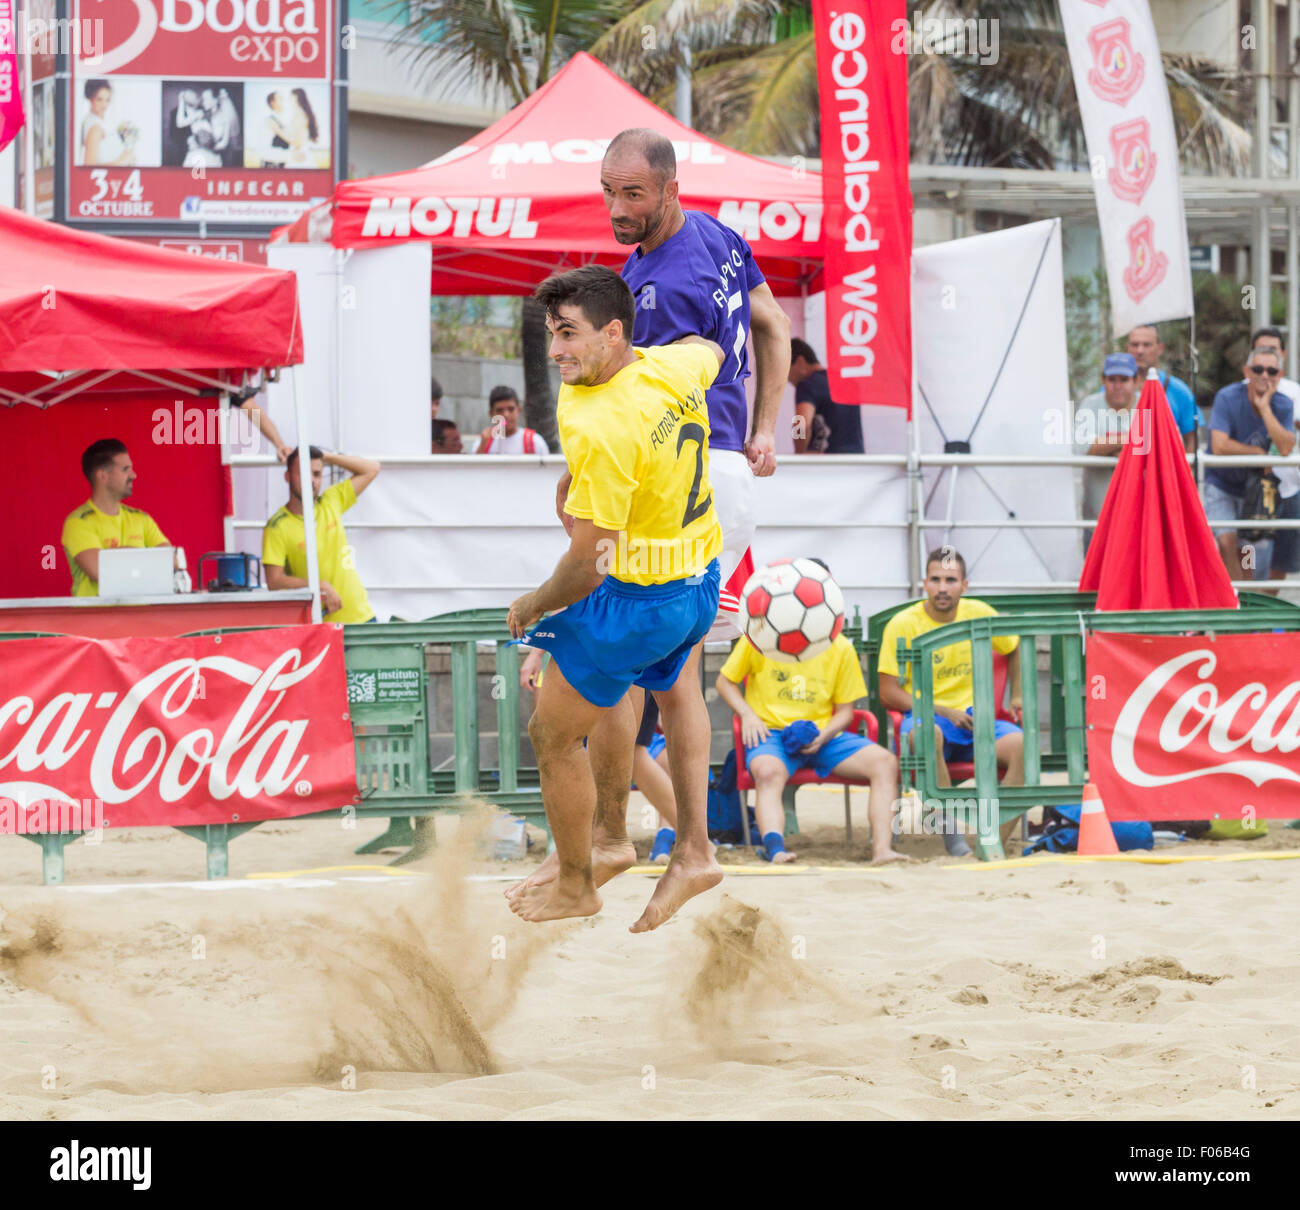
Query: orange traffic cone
[(1095, 836)]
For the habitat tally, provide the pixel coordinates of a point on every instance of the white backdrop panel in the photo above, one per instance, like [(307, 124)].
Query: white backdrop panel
[(968, 297)]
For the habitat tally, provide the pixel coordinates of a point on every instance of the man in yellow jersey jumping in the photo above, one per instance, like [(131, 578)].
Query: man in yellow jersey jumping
[(284, 544), (637, 590), (104, 522)]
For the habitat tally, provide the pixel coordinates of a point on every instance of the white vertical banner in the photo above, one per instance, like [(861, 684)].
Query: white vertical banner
[(1129, 127)]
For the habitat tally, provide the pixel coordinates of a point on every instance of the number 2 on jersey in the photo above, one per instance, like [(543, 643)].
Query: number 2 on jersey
[(694, 509)]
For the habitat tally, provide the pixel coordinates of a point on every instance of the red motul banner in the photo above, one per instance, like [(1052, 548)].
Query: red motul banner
[(182, 731), (862, 81), (1194, 728)]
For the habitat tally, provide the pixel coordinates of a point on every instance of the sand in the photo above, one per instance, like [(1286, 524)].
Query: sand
[(830, 991)]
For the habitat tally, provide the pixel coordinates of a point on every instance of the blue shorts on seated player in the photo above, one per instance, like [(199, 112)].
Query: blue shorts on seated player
[(958, 743), (625, 634), (822, 762)]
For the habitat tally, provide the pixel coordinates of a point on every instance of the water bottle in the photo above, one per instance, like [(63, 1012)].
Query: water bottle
[(181, 577)]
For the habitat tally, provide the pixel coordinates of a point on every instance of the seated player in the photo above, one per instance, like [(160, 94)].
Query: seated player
[(822, 691), (635, 592), (104, 522), (954, 688)]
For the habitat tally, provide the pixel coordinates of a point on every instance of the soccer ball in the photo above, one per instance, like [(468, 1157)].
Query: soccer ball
[(793, 609)]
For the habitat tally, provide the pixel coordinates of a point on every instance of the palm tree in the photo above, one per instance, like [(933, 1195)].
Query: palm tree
[(755, 85), (506, 49)]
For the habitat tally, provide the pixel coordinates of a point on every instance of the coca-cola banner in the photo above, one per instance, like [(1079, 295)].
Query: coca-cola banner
[(1195, 727), (1119, 77), (862, 77), (211, 111), (177, 731)]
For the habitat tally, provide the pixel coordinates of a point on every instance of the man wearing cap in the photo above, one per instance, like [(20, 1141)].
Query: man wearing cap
[(1101, 423)]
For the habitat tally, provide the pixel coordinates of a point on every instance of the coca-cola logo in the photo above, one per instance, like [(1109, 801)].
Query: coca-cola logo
[(1227, 736), (247, 754)]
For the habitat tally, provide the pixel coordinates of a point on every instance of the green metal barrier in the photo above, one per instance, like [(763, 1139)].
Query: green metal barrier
[(1067, 745), (388, 694), (868, 641)]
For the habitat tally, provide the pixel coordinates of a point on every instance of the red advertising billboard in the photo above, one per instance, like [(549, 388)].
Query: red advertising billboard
[(1195, 727), (202, 111), (176, 731)]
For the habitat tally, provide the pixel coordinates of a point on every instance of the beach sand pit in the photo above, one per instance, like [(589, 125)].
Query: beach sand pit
[(819, 992)]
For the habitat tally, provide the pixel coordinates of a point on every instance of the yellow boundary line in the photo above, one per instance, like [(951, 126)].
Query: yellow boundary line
[(1136, 858)]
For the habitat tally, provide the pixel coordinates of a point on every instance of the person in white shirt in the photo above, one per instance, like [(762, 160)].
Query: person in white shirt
[(1277, 557), (503, 434)]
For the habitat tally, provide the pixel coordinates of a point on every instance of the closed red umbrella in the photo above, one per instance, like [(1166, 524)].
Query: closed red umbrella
[(1152, 548)]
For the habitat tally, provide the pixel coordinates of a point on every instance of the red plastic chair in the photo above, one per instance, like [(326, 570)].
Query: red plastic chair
[(961, 770), (864, 723)]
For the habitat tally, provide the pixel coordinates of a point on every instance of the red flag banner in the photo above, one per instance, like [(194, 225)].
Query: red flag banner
[(1194, 727), (176, 731), (862, 81)]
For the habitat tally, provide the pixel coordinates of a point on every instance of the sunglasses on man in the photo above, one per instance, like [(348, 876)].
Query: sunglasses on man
[(1271, 371)]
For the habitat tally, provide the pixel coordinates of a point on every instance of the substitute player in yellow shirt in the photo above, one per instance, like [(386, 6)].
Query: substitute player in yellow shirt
[(637, 591), (821, 691), (284, 544), (954, 684), (104, 522)]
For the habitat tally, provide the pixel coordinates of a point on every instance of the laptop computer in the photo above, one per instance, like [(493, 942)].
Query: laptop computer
[(131, 571)]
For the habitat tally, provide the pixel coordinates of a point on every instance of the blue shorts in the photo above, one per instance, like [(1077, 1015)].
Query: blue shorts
[(959, 744), (624, 634), (822, 762), (656, 745)]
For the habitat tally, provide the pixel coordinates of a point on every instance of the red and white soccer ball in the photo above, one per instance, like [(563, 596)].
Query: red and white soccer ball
[(793, 609)]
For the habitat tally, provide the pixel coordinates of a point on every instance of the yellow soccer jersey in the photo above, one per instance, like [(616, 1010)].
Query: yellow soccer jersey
[(284, 544), (638, 449), (954, 684), (781, 694), (86, 528)]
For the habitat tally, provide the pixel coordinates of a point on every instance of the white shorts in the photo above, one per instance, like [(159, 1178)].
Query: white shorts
[(733, 501)]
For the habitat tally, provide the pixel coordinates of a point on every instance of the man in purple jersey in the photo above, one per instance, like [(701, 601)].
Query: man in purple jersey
[(690, 275)]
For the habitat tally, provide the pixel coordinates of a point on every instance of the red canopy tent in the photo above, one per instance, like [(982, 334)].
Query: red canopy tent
[(90, 323), (522, 199)]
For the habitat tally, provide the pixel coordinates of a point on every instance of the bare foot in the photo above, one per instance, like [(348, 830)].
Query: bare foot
[(555, 900), (681, 881), (662, 859), (783, 856), (886, 857), (609, 858)]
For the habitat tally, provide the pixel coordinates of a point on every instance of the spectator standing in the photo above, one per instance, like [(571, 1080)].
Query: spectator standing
[(1279, 555), (828, 427), (1145, 345), (503, 434), (284, 542), (1101, 424), (1247, 418)]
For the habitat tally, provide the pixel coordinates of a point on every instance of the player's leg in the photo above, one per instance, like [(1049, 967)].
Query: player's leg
[(609, 753), (770, 773), (561, 719), (693, 868), (1010, 751), (879, 767), (733, 501)]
